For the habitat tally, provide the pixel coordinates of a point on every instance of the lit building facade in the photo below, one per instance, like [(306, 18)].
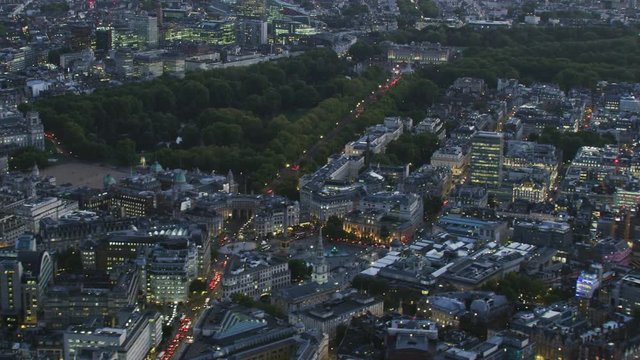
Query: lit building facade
[(19, 131), (131, 340), (24, 278), (486, 159), (252, 8), (221, 32), (169, 271), (254, 275), (530, 191), (146, 28), (420, 54), (627, 293)]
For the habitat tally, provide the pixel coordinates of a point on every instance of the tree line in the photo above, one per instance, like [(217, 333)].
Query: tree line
[(571, 57), (245, 119)]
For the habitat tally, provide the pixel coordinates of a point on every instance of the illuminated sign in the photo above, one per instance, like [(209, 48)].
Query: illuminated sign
[(586, 285)]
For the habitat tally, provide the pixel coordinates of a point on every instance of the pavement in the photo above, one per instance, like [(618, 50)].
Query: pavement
[(82, 174)]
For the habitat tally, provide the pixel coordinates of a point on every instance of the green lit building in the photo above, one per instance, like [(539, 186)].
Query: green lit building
[(209, 32), (252, 8)]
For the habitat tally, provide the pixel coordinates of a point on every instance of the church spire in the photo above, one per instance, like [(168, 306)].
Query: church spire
[(35, 171), (320, 246), (320, 273)]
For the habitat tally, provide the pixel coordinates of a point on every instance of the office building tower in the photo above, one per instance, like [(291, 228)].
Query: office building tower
[(10, 288), (146, 27), (24, 278), (104, 38), (627, 293), (252, 8), (251, 32), (486, 159), (80, 36), (170, 268)]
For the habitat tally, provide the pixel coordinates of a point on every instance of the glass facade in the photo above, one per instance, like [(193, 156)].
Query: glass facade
[(486, 159)]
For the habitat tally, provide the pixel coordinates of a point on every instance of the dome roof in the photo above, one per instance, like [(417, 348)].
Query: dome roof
[(156, 167), (108, 180), (180, 177)]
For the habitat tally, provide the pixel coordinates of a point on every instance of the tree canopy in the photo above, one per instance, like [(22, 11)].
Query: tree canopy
[(253, 119), (517, 287), (569, 143), (299, 270), (572, 57), (24, 159)]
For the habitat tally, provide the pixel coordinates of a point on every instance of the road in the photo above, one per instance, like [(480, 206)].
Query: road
[(355, 113), (20, 8), (56, 143), (181, 337)]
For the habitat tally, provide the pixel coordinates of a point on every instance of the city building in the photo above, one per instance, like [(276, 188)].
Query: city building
[(254, 274), (11, 227), (627, 293), (410, 338), (486, 159), (408, 207), (529, 190), (227, 330), (444, 311), (466, 226), (252, 8), (626, 198), (25, 275), (331, 190), (131, 339), (377, 137), (126, 246), (170, 268), (506, 344), (513, 129), (535, 118), (429, 181), (384, 216), (378, 227), (452, 157), (556, 235), (18, 131), (560, 330), (146, 28), (269, 219), (431, 125), (74, 299), (104, 38), (466, 196), (470, 273), (425, 53), (302, 296), (74, 228), (327, 316), (251, 33), (33, 211), (527, 154), (10, 290), (148, 64)]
